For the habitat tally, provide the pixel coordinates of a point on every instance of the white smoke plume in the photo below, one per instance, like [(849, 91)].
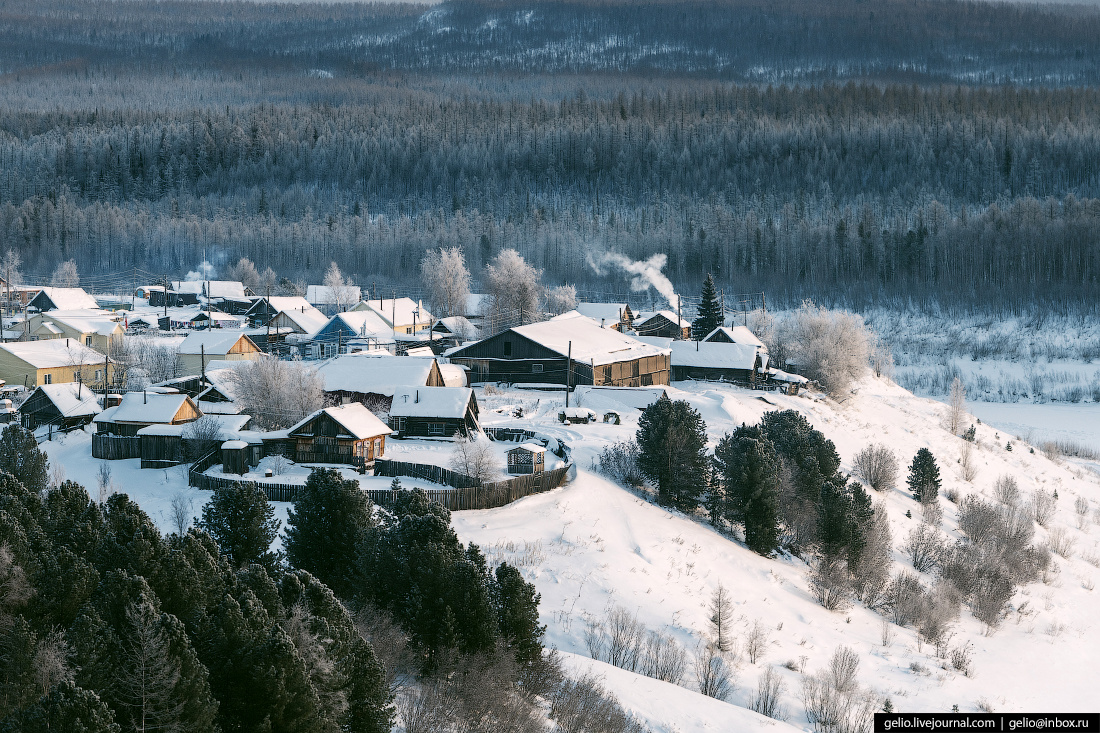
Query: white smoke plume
[(647, 273), (206, 271)]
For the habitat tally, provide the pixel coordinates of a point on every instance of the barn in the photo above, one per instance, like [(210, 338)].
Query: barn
[(434, 412), (542, 353), (348, 434)]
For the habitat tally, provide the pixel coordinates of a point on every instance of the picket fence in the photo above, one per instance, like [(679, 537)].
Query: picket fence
[(115, 447)]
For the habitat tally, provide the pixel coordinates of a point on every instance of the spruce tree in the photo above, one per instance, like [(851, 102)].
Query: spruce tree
[(517, 607), (242, 522), (924, 476), (21, 457), (324, 527), (672, 452), (749, 470), (66, 708), (710, 314)]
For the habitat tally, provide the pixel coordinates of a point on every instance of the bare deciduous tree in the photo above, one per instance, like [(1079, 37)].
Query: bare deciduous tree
[(275, 392), (956, 407), (339, 288), (182, 513), (966, 462), (721, 616), (712, 674), (663, 659), (872, 571), (876, 466), (446, 278), (245, 272), (201, 436), (767, 699), (474, 456), (756, 643), (65, 276)]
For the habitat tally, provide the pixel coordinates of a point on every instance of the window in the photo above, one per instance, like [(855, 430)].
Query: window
[(98, 374), (536, 368), (436, 428), (409, 330), (47, 379), (607, 374), (399, 424), (330, 349), (507, 348)]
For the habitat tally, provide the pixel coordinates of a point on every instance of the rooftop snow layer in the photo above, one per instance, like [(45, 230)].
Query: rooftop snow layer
[(637, 397), (216, 342), (324, 295), (399, 312), (365, 323), (430, 402), (145, 407), (591, 344), (72, 399), (609, 313), (360, 422), (716, 355), (374, 374), (53, 353), (70, 298), (309, 320), (738, 335), (645, 317)]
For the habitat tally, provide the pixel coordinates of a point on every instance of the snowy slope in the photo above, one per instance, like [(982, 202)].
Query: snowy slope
[(594, 544)]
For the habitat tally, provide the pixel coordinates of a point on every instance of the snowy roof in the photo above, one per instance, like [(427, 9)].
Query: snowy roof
[(53, 353), (738, 335), (579, 412), (716, 355), (399, 312), (211, 288), (231, 423), (477, 304), (365, 323), (288, 302), (324, 295), (420, 351), (663, 342), (234, 445), (779, 375), (310, 320), (99, 324), (637, 397), (360, 422), (453, 375), (69, 298), (458, 325), (71, 399), (609, 313), (644, 318), (374, 374), (532, 447), (216, 316), (145, 407), (591, 344), (430, 401), (212, 342)]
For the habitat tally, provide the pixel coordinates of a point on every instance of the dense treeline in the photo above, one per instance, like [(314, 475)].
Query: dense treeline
[(748, 40), (876, 190)]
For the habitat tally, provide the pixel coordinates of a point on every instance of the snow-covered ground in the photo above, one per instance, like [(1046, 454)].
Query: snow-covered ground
[(593, 544)]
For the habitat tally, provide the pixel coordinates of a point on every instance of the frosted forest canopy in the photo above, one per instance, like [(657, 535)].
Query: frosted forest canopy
[(849, 151)]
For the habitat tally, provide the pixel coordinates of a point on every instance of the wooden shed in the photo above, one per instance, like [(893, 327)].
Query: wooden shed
[(540, 353), (348, 434), (64, 406), (527, 458), (662, 324), (139, 410), (240, 456)]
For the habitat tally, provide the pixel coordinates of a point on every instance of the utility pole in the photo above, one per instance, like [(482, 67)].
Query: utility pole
[(202, 361), (569, 374)]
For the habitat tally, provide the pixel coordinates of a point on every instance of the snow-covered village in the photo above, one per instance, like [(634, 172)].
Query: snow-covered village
[(449, 366)]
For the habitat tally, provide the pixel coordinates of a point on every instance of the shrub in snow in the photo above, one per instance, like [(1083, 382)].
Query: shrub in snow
[(925, 547), (619, 462), (829, 584), (1060, 543), (663, 659), (903, 599), (876, 466), (582, 705), (474, 456), (871, 571), (834, 702), (1006, 490), (713, 674), (756, 643), (1042, 506), (767, 700)]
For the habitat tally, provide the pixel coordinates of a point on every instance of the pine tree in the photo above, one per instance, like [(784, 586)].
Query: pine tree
[(517, 607), (21, 457), (66, 708), (710, 314), (326, 524), (672, 452), (749, 470), (242, 522), (924, 476), (721, 618)]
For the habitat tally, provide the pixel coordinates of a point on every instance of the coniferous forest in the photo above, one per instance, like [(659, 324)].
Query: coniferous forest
[(849, 152)]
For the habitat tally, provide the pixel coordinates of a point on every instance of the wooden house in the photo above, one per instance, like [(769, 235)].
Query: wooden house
[(94, 328), (306, 320), (401, 315), (716, 361), (31, 363), (202, 347), (139, 410), (434, 412), (356, 327), (527, 458), (65, 299), (662, 324), (456, 328), (348, 434), (735, 335), (371, 380), (64, 406), (616, 316), (541, 353), (333, 300)]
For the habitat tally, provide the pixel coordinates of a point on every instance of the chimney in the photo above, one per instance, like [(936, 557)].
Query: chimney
[(417, 396), (144, 397)]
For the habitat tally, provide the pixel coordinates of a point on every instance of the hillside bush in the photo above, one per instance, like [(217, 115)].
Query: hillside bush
[(832, 347), (877, 466)]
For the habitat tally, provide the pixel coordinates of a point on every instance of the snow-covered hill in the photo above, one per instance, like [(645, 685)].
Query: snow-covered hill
[(593, 545)]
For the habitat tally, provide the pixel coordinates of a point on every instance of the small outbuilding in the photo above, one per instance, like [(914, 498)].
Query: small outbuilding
[(527, 458), (434, 412), (139, 410), (719, 361), (64, 406), (662, 324)]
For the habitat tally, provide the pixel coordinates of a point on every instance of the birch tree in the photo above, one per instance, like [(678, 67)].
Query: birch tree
[(445, 276), (514, 287), (277, 393)]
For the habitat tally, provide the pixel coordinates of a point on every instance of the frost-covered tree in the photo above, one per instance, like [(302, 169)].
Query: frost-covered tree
[(473, 456), (65, 276), (561, 299), (275, 392), (514, 287), (245, 272), (956, 407), (831, 347), (339, 288), (447, 280)]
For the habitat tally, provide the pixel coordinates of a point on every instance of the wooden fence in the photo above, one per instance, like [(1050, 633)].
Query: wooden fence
[(435, 474), (115, 447), (514, 435)]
